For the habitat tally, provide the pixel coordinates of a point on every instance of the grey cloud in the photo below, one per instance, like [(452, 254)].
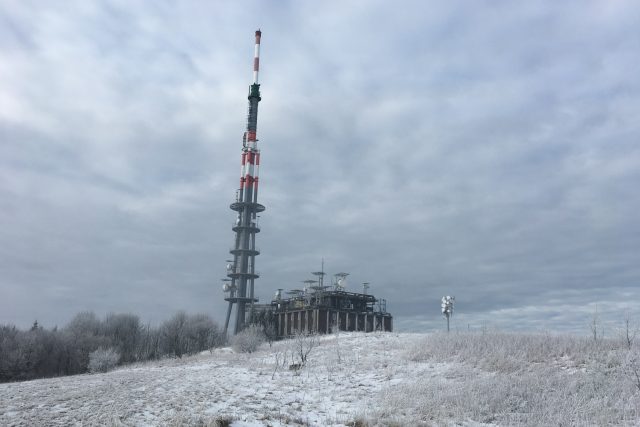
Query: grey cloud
[(430, 149)]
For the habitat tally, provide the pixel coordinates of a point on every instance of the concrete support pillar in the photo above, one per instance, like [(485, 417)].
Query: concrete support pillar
[(286, 323), (328, 316), (280, 324)]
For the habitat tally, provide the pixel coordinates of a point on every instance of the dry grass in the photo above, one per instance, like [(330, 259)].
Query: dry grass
[(358, 380), (517, 379)]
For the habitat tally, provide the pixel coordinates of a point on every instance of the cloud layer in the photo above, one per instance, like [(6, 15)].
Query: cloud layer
[(489, 151)]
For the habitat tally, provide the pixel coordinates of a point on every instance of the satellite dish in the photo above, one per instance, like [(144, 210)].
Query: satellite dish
[(229, 267), (342, 283), (226, 287)]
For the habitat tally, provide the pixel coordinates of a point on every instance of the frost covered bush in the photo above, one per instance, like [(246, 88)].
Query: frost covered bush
[(248, 340), (103, 360)]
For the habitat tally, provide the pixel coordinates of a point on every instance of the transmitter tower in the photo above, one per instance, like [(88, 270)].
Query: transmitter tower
[(241, 269)]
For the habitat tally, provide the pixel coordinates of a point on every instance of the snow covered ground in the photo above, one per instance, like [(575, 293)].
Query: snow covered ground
[(341, 382), (349, 379)]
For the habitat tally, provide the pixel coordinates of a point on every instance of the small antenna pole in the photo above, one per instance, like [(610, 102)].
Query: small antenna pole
[(447, 308)]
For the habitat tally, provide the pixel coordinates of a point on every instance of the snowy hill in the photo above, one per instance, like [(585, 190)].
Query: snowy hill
[(351, 379)]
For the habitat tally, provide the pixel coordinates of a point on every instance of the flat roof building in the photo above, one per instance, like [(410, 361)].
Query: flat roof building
[(323, 311)]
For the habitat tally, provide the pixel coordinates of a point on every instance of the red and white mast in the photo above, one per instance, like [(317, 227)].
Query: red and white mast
[(242, 270), (256, 58)]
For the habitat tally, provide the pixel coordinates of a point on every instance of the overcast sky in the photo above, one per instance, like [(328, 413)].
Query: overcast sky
[(487, 150)]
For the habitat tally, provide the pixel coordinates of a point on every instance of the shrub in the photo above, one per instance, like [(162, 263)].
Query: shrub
[(248, 340), (303, 344), (103, 360)]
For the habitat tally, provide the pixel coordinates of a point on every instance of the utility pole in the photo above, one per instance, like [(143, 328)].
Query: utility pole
[(447, 308)]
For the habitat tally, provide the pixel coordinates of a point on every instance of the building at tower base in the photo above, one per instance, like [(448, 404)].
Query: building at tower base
[(324, 312)]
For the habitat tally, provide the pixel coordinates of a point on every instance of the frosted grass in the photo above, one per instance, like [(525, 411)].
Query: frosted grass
[(354, 379)]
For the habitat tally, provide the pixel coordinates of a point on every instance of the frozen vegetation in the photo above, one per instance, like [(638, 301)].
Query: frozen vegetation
[(353, 379), (90, 344)]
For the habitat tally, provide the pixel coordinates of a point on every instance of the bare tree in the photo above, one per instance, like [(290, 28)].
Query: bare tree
[(629, 335), (595, 321), (124, 332), (266, 319), (84, 334), (201, 333), (303, 345), (149, 343), (173, 330)]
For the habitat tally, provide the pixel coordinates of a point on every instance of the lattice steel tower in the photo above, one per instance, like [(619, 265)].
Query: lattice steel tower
[(241, 270)]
